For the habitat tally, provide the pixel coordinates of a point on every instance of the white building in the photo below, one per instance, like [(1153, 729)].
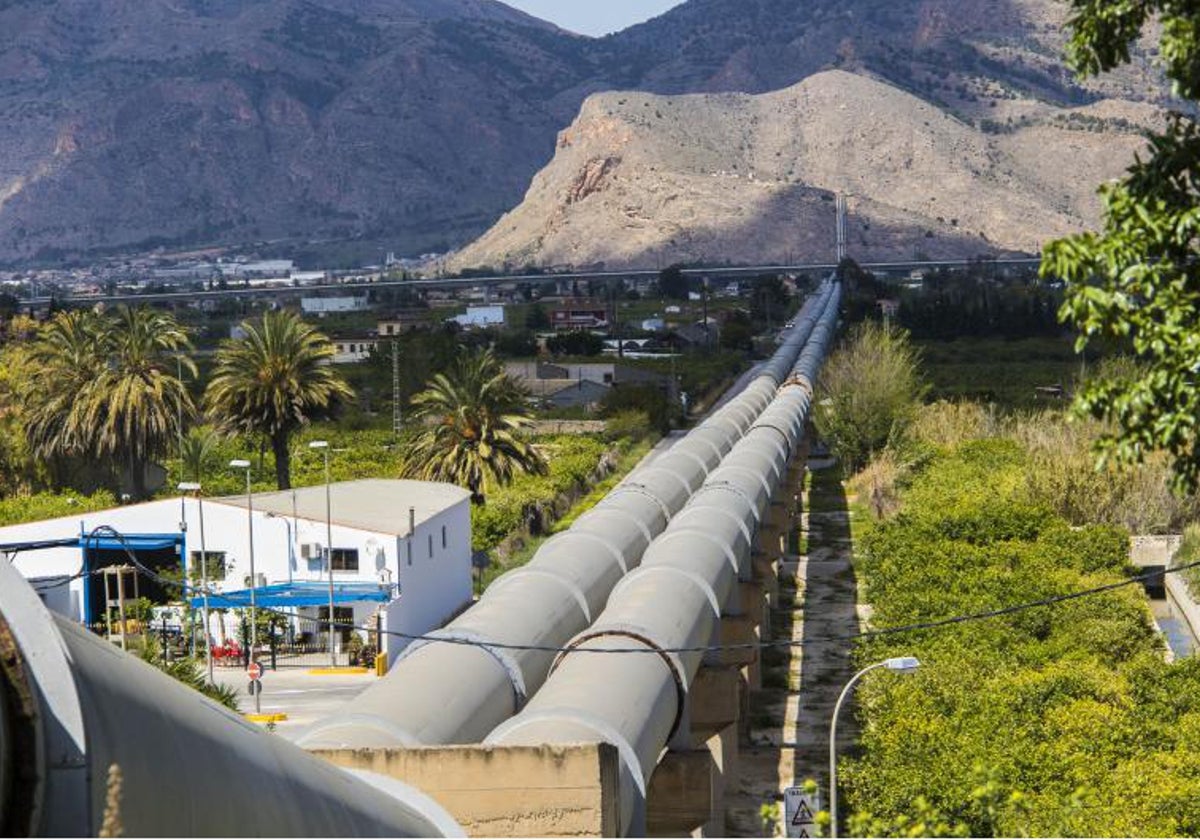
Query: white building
[(324, 305), (481, 316), (350, 350), (407, 540)]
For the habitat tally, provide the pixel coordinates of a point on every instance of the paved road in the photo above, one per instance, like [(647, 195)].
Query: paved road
[(305, 698)]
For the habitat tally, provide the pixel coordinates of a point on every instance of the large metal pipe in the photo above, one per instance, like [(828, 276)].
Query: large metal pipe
[(661, 617), (444, 691), (93, 737)]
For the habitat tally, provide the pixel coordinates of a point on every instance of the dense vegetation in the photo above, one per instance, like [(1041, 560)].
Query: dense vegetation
[(1136, 279), (1057, 720)]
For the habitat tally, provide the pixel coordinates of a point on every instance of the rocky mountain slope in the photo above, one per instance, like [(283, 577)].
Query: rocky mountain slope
[(414, 124), (642, 180)]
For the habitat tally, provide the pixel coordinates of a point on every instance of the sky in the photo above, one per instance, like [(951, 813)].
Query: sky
[(594, 17)]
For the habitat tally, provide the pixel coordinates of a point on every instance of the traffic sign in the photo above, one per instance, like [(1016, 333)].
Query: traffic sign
[(255, 688), (254, 671), (800, 812)]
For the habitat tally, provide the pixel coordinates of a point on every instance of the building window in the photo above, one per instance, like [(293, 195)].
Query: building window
[(443, 536), (344, 559), (214, 565)]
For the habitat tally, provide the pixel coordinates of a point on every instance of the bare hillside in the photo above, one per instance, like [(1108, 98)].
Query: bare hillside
[(640, 179)]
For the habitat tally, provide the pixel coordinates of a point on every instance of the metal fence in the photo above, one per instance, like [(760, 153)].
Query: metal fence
[(299, 642)]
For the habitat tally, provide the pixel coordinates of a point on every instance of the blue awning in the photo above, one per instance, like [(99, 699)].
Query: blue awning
[(133, 542), (299, 594)]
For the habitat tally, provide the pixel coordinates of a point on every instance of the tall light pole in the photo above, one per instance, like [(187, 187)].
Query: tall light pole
[(897, 664), (242, 464), (194, 487), (323, 445)]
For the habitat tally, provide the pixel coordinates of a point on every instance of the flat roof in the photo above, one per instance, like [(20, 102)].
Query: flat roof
[(369, 504)]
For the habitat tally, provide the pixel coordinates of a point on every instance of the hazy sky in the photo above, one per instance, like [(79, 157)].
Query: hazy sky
[(594, 17)]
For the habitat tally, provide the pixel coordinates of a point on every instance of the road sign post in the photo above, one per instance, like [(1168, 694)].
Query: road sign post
[(800, 812)]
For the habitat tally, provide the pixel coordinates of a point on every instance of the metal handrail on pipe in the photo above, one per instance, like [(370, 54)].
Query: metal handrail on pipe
[(108, 741), (439, 693), (589, 697)]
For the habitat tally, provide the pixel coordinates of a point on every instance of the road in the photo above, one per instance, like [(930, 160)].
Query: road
[(305, 698)]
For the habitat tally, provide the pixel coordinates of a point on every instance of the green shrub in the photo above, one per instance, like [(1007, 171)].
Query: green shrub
[(868, 394), (1028, 723), (18, 509), (630, 425), (529, 500)]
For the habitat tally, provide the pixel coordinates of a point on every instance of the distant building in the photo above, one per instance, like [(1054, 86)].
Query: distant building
[(544, 379), (582, 394), (477, 317), (350, 350), (579, 315), (325, 305), (402, 322), (261, 268), (400, 546)]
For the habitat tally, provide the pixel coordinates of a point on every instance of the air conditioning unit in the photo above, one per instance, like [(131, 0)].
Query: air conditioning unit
[(310, 551)]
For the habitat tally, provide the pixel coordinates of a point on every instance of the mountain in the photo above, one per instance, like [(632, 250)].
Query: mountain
[(640, 179), (414, 124), (130, 123)]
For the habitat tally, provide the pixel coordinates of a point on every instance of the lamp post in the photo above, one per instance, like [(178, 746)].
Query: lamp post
[(323, 445), (242, 464), (194, 487), (897, 664), (291, 545)]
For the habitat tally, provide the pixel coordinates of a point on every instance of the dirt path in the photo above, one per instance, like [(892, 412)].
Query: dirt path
[(789, 717)]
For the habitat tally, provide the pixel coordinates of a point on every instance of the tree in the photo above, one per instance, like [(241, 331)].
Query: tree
[(474, 415), (70, 353), (274, 381), (868, 393), (769, 300), (575, 343), (136, 405), (1138, 280), (737, 333), (672, 283), (110, 388), (199, 447), (537, 318)]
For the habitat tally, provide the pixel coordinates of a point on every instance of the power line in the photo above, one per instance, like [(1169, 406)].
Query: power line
[(760, 645)]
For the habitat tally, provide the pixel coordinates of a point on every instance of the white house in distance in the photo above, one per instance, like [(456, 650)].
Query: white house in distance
[(477, 317), (405, 544), (324, 305)]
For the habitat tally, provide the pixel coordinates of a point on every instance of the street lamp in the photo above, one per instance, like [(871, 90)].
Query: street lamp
[(194, 487), (242, 464), (897, 664), (323, 445)]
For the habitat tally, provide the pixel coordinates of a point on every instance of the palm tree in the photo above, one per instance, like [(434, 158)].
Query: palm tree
[(273, 381), (473, 418), (108, 387), (69, 354), (199, 447), (136, 404)]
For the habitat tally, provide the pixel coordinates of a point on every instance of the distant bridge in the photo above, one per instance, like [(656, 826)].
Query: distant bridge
[(494, 280)]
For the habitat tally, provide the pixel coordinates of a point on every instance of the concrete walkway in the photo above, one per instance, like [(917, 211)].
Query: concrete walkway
[(788, 737)]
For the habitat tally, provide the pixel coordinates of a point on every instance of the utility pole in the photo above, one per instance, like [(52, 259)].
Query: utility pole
[(395, 388), (840, 205)]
